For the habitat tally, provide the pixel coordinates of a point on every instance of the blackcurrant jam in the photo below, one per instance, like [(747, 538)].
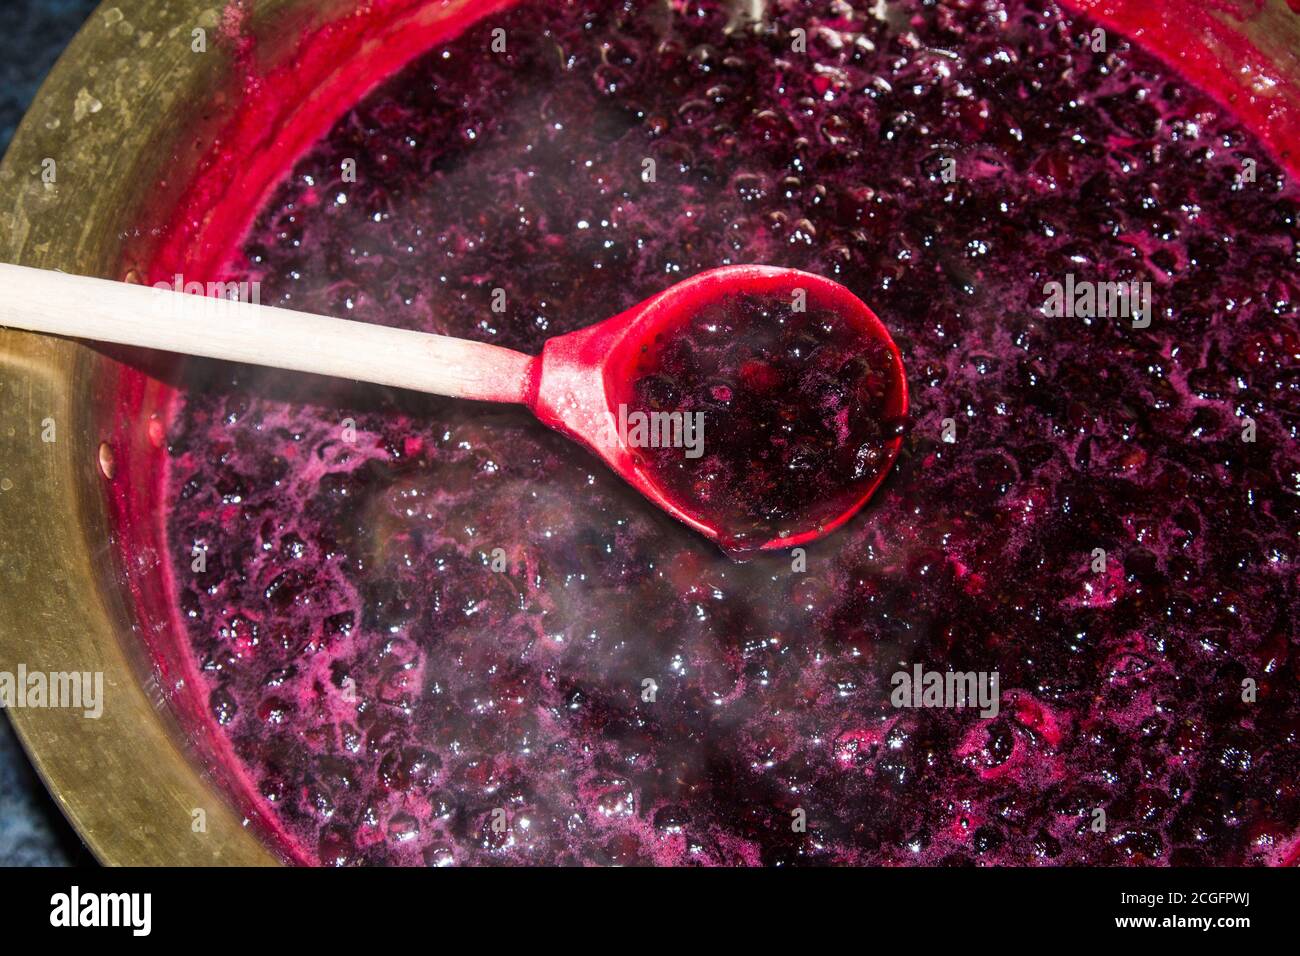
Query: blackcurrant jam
[(779, 414), (434, 632)]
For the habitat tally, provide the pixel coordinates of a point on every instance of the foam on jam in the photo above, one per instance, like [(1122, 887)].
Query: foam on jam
[(619, 691), (792, 402)]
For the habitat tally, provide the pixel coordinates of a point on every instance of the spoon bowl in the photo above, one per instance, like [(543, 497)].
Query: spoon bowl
[(583, 378)]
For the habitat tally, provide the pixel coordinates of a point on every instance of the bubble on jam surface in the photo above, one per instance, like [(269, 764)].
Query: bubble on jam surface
[(789, 422), (397, 700)]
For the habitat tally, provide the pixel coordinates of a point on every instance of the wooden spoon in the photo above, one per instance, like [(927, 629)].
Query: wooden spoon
[(574, 386)]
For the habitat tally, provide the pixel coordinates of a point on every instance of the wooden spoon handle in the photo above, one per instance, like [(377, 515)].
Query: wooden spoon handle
[(105, 311)]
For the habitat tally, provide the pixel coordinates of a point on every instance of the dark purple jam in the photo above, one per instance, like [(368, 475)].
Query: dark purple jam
[(782, 414), (435, 632)]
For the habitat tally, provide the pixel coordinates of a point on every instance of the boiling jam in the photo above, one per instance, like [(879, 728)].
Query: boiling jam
[(436, 633)]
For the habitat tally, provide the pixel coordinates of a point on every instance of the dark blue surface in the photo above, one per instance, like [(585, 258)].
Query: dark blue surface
[(32, 34)]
